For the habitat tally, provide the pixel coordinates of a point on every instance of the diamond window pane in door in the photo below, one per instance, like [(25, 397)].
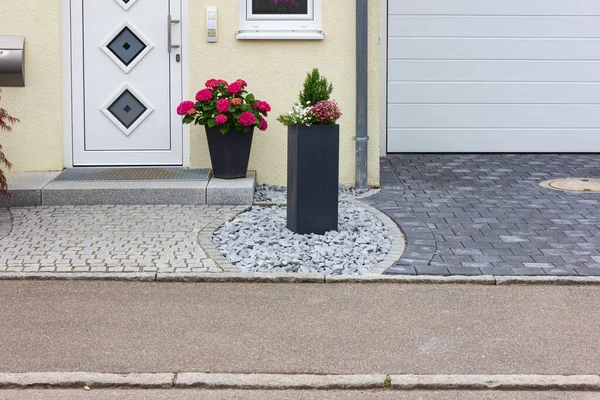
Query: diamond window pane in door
[(126, 4), (126, 47), (127, 110)]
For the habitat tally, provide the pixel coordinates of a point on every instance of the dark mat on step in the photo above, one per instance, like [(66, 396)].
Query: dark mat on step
[(133, 174)]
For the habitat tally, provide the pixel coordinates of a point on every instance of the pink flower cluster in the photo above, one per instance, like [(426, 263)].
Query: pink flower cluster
[(185, 108), (223, 105), (326, 112), (263, 106), (247, 118), (221, 119), (220, 104), (214, 83), (204, 95)]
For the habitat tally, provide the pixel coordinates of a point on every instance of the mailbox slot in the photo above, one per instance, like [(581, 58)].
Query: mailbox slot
[(12, 61)]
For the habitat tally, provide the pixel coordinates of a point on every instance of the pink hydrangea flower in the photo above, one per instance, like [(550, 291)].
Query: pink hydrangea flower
[(222, 81), (247, 118), (234, 88), (263, 106), (223, 105), (242, 83), (212, 84), (204, 95), (185, 107), (221, 119), (263, 124)]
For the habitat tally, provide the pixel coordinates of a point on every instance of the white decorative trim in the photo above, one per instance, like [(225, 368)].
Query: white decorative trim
[(280, 35), (184, 90), (138, 58), (126, 6), (67, 103), (141, 118)]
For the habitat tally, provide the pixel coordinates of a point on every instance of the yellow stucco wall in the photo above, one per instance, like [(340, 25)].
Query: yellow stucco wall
[(36, 143), (274, 69)]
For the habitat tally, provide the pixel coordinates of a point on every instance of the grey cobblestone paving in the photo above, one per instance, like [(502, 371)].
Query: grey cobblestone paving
[(486, 214), (110, 238)]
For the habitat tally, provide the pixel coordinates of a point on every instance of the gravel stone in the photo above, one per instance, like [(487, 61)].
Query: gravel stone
[(271, 194), (259, 241)]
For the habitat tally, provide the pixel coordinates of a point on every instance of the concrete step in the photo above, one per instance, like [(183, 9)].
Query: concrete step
[(41, 188)]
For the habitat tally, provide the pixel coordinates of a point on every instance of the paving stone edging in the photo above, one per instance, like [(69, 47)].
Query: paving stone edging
[(185, 380), (398, 239), (205, 241), (5, 222)]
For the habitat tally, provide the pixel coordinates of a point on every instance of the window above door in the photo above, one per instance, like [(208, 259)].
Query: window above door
[(279, 19)]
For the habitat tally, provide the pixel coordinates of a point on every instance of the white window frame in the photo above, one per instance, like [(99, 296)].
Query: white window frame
[(285, 26)]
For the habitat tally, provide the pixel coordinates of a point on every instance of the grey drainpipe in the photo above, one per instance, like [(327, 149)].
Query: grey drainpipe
[(362, 58)]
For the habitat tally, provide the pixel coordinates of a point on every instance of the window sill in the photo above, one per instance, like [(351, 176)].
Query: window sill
[(280, 35)]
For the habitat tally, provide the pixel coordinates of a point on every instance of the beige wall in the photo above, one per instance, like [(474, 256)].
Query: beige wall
[(36, 143), (274, 70)]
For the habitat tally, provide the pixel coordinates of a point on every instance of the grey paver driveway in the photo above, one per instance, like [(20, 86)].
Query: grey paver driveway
[(486, 214)]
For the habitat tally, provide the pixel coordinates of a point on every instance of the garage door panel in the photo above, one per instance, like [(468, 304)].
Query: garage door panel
[(495, 93), (494, 71), (494, 7), (493, 116), (493, 75), (494, 49), (484, 26), (497, 140)]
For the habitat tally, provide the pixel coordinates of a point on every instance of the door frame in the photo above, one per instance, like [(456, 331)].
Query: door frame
[(72, 70)]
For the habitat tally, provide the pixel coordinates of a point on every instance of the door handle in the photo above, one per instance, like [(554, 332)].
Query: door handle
[(170, 22)]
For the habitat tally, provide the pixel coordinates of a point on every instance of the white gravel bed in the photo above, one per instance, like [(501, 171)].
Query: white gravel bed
[(271, 194), (259, 241)]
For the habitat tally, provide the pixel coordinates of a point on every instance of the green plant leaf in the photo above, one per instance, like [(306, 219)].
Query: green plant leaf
[(211, 123), (224, 129)]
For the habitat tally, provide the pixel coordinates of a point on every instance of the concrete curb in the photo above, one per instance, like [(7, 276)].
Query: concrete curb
[(237, 277), (548, 280), (240, 277), (79, 276), (496, 382), (279, 381), (66, 380)]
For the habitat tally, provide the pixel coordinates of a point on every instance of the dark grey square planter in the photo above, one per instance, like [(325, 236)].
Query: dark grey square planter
[(313, 169)]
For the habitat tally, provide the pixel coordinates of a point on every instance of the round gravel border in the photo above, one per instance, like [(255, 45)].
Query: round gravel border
[(394, 234)]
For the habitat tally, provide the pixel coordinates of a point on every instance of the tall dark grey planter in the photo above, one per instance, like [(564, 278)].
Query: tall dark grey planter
[(313, 169)]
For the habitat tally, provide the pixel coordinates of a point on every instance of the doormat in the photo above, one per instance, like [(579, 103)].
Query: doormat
[(133, 174)]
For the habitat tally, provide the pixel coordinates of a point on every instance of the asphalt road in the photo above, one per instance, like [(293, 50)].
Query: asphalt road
[(298, 328)]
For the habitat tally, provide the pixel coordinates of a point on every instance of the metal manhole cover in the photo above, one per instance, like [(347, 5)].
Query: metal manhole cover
[(590, 185)]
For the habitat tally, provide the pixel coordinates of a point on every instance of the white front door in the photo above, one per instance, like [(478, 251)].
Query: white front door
[(127, 82)]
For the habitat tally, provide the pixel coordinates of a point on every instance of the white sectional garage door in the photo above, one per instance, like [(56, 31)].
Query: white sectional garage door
[(494, 76)]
